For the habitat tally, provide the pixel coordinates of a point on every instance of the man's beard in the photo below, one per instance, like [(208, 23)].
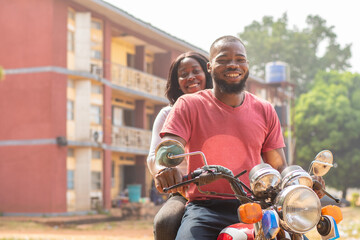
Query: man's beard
[(231, 88)]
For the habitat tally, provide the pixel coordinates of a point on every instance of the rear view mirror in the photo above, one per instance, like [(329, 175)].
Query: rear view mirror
[(322, 163)]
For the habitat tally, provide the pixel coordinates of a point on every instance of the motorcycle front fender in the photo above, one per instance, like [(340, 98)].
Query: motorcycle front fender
[(238, 231)]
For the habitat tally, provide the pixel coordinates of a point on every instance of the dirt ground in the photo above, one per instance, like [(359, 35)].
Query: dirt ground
[(12, 228), (20, 228)]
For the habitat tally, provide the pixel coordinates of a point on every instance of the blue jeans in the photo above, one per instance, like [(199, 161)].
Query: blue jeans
[(205, 219)]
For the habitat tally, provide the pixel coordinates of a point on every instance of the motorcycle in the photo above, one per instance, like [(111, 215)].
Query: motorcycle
[(275, 206)]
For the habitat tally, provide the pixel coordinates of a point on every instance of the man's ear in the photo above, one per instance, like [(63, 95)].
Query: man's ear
[(208, 67)]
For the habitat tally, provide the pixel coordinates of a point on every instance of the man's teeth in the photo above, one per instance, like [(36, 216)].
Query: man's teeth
[(233, 75)]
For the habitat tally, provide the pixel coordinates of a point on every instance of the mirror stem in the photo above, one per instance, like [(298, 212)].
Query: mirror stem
[(317, 186)]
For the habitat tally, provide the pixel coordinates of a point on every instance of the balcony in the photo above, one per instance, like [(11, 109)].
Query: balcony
[(130, 137), (137, 80)]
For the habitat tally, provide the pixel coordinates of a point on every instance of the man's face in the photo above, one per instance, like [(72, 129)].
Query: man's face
[(228, 66)]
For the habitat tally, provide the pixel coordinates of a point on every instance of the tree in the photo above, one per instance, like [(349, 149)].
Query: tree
[(306, 51), (327, 117)]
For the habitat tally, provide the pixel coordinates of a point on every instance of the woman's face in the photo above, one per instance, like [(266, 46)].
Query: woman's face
[(191, 77)]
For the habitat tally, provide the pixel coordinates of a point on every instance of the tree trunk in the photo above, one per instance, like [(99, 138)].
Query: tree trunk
[(344, 192)]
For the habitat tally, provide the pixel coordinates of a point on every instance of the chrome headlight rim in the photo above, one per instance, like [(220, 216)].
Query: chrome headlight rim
[(281, 202), (260, 172), (293, 174)]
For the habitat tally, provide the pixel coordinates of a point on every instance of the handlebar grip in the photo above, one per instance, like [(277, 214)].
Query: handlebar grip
[(193, 174)]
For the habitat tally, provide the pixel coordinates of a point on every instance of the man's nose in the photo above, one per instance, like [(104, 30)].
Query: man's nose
[(232, 64)]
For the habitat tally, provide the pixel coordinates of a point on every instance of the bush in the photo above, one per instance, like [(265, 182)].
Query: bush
[(354, 199)]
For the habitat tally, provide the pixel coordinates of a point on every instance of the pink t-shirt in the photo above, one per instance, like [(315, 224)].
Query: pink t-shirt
[(231, 137)]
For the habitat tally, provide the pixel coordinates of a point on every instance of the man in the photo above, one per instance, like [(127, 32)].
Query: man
[(232, 127)]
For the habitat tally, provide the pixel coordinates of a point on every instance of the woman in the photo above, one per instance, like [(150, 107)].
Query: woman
[(188, 74)]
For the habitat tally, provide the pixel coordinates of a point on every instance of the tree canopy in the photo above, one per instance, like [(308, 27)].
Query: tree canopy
[(306, 51), (327, 117)]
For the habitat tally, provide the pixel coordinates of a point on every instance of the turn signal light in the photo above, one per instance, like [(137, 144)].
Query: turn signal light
[(250, 213), (333, 211)]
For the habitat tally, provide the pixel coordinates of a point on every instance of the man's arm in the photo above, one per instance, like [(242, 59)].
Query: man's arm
[(173, 137), (276, 158)]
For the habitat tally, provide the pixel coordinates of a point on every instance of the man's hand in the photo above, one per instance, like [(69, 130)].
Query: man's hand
[(168, 177), (162, 155), (316, 185)]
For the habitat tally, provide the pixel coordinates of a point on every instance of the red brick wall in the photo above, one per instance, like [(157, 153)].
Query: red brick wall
[(33, 106)]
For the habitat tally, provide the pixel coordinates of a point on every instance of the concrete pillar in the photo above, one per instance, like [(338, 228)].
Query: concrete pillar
[(82, 41), (140, 58), (140, 172), (140, 114), (162, 62), (82, 179), (82, 110)]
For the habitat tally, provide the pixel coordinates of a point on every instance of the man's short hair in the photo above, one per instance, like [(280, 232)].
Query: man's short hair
[(226, 38)]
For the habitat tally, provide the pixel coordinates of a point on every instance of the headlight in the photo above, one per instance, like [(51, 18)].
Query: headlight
[(295, 175), (299, 208), (262, 177)]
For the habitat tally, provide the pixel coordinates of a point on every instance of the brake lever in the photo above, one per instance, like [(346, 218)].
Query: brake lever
[(179, 185), (202, 179)]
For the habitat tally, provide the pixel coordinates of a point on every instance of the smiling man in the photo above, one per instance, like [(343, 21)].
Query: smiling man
[(232, 127)]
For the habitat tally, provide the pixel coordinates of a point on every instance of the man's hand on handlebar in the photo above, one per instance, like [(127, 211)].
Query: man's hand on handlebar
[(168, 177), (317, 188)]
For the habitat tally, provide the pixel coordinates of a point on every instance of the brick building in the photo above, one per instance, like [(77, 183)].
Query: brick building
[(84, 82)]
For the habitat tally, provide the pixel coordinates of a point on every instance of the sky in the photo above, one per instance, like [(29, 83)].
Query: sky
[(200, 22)]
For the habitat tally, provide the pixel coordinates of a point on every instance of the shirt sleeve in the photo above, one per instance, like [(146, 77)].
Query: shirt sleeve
[(155, 140), (274, 138)]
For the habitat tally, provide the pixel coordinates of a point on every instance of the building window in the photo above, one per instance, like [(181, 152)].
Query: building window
[(70, 179), (95, 114), (70, 83), (96, 89), (149, 67), (70, 110), (96, 154), (71, 14), (130, 60), (117, 116), (96, 25), (112, 174), (70, 152), (96, 54), (71, 30), (70, 41), (95, 180)]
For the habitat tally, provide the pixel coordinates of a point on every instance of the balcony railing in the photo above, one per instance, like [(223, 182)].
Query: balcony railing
[(129, 137), (137, 80)]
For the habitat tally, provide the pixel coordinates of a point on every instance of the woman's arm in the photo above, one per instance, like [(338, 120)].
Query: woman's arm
[(155, 140)]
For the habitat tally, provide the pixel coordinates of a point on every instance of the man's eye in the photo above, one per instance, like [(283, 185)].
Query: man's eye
[(242, 60)]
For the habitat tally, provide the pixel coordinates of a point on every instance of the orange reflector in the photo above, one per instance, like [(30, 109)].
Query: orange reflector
[(250, 213), (333, 211)]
